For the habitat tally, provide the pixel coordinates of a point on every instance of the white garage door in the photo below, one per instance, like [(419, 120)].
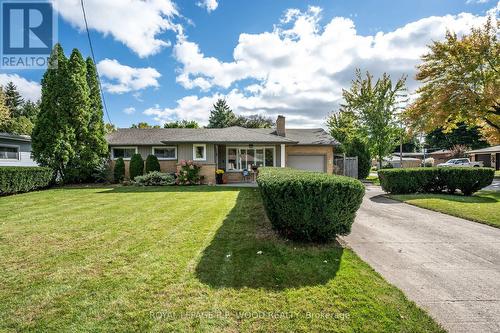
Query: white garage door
[(307, 162)]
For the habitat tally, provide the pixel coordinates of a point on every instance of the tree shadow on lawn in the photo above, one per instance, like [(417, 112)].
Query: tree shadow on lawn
[(246, 252), (169, 188)]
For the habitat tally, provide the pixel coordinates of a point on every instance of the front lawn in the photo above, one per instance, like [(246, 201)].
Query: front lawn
[(179, 259), (481, 207)]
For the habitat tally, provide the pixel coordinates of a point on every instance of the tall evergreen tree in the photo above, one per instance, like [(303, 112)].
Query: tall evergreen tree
[(97, 147), (53, 139), (77, 102), (30, 110), (461, 135), (13, 99), (221, 116), (4, 112)]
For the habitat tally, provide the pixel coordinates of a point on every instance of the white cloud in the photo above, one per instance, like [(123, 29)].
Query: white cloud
[(476, 1), (129, 110), (210, 5), (135, 23), (29, 90), (300, 67), (122, 78)]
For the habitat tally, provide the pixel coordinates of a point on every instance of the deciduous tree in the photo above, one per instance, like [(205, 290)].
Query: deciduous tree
[(461, 83), (376, 107), (181, 124)]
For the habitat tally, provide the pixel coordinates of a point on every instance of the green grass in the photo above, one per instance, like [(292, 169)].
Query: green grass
[(179, 259), (497, 173), (373, 179), (482, 207)]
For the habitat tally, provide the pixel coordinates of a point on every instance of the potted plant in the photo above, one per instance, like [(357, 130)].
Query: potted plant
[(218, 176)]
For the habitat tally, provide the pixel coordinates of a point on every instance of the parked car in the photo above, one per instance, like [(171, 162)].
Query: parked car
[(460, 162)]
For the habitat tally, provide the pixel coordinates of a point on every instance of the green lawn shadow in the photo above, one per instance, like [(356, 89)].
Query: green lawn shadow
[(172, 188), (246, 253)]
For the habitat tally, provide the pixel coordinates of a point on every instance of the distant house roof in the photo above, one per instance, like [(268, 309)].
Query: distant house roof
[(489, 150), (409, 154), (158, 136), (441, 152), (17, 137), (394, 158)]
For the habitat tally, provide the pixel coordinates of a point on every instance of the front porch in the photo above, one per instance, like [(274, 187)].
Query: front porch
[(240, 162)]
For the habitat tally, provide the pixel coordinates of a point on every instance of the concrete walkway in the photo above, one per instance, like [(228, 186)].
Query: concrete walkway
[(448, 266)]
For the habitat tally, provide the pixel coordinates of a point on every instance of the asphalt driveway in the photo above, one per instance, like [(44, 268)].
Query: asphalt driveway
[(447, 265)]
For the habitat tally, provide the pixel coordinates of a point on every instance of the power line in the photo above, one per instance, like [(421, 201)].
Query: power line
[(93, 58)]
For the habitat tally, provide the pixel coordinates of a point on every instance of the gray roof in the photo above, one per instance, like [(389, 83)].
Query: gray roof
[(493, 149), (18, 137), (305, 136), (158, 136)]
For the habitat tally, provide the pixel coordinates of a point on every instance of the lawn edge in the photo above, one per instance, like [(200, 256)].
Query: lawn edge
[(390, 196)]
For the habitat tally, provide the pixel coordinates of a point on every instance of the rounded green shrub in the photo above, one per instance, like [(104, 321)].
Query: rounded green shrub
[(426, 180), (136, 167), (154, 178), (309, 206), (152, 164), (119, 170)]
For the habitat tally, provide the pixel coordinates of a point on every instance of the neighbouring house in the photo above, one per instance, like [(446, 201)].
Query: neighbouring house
[(15, 150), (440, 156), (232, 149), (489, 156), (408, 162)]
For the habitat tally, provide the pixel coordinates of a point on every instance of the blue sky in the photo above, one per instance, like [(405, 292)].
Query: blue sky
[(162, 60)]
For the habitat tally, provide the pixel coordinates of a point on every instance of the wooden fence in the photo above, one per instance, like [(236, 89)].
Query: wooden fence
[(346, 166)]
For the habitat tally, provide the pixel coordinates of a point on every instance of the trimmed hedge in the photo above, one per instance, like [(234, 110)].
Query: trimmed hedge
[(136, 167), (426, 180), (309, 206), (152, 164), (119, 170), (24, 179)]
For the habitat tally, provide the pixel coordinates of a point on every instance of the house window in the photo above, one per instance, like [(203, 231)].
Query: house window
[(244, 158), (9, 153), (165, 153), (199, 152), (124, 152)]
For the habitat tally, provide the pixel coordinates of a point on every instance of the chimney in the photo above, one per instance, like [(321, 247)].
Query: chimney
[(280, 126)]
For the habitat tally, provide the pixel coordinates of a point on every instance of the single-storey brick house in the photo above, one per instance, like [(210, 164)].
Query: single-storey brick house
[(232, 149), (489, 156)]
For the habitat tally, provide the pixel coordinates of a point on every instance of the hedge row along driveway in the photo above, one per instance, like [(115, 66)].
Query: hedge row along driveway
[(179, 259), (435, 180)]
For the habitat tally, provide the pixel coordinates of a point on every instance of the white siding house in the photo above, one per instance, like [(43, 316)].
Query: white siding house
[(15, 150)]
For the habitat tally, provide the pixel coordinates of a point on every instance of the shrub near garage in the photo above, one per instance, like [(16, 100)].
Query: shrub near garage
[(24, 179), (426, 180), (309, 206)]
